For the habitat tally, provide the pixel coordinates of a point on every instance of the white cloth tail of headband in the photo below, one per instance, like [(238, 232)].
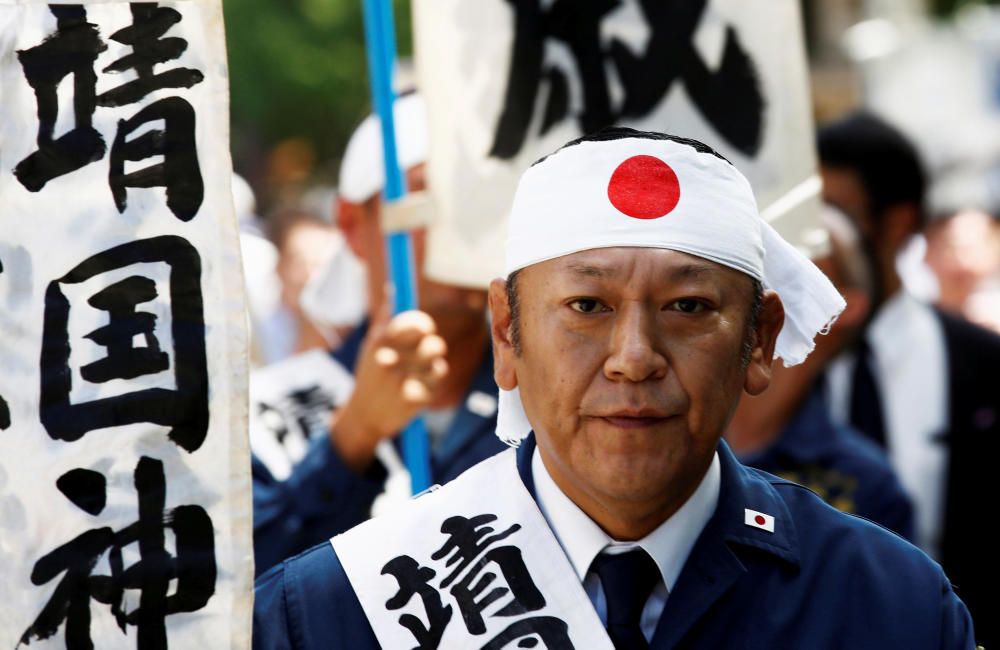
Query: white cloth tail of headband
[(512, 422), (813, 303)]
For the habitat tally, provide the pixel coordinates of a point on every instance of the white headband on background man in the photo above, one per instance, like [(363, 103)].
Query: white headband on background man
[(362, 169), (653, 191)]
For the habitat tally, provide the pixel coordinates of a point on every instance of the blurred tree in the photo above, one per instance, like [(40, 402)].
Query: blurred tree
[(298, 72), (948, 7)]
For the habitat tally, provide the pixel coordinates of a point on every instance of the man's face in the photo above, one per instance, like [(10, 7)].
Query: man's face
[(629, 369), (842, 188)]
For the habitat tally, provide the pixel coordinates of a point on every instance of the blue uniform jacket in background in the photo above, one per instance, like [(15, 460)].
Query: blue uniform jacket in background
[(845, 469), (823, 580), (323, 497)]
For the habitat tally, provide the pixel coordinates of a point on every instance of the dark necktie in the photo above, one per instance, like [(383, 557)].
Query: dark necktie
[(628, 580), (866, 401)]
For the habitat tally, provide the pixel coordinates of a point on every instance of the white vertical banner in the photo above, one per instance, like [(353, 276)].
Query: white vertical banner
[(508, 81), (125, 508)]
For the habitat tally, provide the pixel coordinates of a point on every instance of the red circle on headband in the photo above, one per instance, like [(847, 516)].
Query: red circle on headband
[(644, 187)]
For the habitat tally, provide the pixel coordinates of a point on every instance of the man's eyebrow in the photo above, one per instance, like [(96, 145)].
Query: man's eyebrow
[(590, 270), (688, 271)]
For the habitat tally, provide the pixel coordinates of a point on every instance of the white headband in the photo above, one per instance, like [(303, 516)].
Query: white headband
[(660, 193), (362, 169)]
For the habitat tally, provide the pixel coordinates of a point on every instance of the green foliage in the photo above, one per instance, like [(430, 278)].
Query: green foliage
[(298, 70), (948, 7)]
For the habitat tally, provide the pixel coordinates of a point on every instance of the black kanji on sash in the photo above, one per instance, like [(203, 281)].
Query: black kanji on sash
[(182, 402), (73, 50), (468, 545), (472, 554), (553, 633), (310, 406), (414, 580), (303, 411), (274, 420), (729, 98), (192, 570)]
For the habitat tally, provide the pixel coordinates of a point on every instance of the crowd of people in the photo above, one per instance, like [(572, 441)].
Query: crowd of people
[(891, 418)]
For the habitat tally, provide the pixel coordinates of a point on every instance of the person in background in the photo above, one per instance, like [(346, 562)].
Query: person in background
[(305, 243), (436, 362), (787, 430), (921, 382), (963, 251)]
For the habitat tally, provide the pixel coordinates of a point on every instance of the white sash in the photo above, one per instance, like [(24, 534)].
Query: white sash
[(424, 584)]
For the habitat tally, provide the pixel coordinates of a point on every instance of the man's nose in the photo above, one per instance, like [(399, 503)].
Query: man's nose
[(636, 352)]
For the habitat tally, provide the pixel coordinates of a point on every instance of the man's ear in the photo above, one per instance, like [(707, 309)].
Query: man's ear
[(349, 220), (856, 311), (898, 223), (758, 371), (504, 353)]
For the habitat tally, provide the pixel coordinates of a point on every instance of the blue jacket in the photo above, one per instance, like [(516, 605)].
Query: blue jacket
[(822, 580), (845, 469), (323, 497)]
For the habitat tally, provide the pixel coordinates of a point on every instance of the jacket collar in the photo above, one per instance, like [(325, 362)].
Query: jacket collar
[(742, 488), (714, 564)]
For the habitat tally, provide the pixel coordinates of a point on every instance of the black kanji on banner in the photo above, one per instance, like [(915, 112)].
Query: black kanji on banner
[(4, 409), (182, 403), (193, 569), (72, 51), (471, 552), (4, 414), (729, 98), (178, 173), (145, 36)]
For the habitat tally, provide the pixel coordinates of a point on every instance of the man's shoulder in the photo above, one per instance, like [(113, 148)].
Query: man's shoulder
[(865, 461), (808, 575), (964, 336), (413, 513), (829, 540), (308, 601)]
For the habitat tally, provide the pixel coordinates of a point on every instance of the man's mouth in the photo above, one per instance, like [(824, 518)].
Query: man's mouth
[(635, 418)]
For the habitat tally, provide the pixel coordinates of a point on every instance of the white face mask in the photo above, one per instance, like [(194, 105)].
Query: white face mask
[(660, 193)]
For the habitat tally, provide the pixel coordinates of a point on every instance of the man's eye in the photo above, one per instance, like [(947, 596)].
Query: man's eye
[(587, 306), (688, 306)]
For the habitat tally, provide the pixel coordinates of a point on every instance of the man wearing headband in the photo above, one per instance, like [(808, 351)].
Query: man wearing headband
[(642, 299), (436, 362)]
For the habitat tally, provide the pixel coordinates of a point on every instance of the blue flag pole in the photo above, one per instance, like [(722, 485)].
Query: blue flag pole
[(380, 36)]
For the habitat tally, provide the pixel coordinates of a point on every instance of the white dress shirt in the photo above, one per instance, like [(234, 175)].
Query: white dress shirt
[(911, 369), (669, 545)]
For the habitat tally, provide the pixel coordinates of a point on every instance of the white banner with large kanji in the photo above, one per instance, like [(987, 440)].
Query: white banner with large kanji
[(125, 509), (508, 81)]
